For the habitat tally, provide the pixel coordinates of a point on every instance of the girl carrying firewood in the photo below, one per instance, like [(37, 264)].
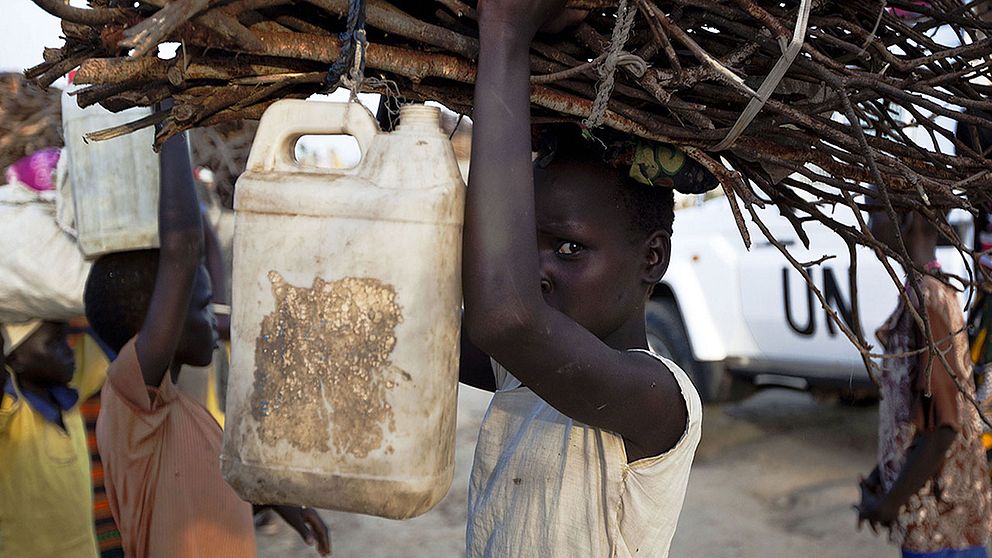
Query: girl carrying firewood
[(587, 444)]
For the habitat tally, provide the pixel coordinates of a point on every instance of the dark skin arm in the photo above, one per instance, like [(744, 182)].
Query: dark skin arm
[(923, 462), (181, 247), (474, 368), (218, 276), (929, 449), (306, 522), (506, 315)]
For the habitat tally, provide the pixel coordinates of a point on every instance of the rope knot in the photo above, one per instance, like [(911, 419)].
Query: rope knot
[(608, 68), (350, 62)]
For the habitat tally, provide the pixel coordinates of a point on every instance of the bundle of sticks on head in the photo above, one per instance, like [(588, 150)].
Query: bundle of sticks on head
[(682, 72), (802, 104)]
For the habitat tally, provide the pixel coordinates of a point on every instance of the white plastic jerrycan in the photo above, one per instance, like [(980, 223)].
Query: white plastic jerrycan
[(114, 183), (346, 316)]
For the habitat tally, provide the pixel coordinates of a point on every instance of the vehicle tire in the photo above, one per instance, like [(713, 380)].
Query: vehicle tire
[(667, 336)]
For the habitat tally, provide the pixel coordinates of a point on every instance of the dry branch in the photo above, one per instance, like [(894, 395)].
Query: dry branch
[(841, 118)]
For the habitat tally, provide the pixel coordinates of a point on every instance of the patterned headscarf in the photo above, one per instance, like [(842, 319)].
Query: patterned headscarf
[(660, 164), (649, 163)]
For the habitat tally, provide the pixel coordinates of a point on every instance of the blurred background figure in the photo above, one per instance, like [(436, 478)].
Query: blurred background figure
[(930, 488), (45, 483)]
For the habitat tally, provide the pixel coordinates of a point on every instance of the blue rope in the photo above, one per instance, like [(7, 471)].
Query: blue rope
[(353, 34)]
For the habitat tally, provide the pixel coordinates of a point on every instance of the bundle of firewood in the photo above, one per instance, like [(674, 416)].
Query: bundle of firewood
[(804, 104), (686, 73), (30, 118)]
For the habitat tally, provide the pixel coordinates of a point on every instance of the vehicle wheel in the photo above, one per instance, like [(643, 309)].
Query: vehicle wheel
[(667, 337)]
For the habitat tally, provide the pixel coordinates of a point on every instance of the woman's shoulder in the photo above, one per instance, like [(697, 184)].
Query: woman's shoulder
[(941, 300), (934, 284), (687, 390)]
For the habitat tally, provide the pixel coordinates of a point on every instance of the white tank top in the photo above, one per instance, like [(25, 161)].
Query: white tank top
[(544, 485)]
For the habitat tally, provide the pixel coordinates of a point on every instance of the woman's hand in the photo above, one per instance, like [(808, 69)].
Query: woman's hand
[(522, 19), (873, 482), (309, 525), (874, 507)]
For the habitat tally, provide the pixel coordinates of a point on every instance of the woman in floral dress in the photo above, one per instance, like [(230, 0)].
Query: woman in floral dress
[(930, 488)]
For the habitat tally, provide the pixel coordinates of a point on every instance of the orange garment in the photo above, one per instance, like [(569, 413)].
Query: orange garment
[(160, 452)]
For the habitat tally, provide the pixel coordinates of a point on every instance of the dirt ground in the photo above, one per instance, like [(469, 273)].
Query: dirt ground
[(775, 477)]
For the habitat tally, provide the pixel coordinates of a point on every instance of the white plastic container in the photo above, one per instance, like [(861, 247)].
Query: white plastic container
[(346, 316), (114, 183)]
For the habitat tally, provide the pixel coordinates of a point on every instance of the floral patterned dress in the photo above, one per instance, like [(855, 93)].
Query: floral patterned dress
[(953, 510)]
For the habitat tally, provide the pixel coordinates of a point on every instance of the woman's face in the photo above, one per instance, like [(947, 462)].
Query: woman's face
[(591, 270)]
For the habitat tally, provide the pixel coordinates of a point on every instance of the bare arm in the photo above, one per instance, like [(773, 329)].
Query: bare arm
[(218, 276), (305, 521), (474, 368), (937, 427), (181, 247), (505, 313)]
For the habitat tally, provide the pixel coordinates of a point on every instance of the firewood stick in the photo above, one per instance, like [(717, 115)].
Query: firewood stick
[(382, 16), (93, 16)]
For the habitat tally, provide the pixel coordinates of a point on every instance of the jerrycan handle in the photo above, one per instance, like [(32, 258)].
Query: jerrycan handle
[(288, 120)]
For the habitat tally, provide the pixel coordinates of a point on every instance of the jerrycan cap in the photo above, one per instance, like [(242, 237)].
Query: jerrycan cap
[(419, 118)]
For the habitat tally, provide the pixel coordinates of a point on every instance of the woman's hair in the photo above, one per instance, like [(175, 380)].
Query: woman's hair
[(118, 291), (651, 208)]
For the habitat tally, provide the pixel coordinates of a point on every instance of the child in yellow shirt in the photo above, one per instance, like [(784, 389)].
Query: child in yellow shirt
[(45, 484)]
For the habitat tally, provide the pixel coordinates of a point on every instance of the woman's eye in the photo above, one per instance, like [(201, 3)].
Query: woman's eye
[(569, 248)]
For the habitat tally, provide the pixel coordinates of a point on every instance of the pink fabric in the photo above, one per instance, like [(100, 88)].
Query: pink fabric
[(36, 171), (907, 14)]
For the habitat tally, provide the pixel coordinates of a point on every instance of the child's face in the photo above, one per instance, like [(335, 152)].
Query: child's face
[(591, 270), (45, 357), (199, 336)]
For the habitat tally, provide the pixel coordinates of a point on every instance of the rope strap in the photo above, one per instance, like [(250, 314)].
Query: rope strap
[(351, 59), (608, 69)]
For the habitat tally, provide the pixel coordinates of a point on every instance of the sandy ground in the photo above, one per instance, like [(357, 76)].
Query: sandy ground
[(775, 477)]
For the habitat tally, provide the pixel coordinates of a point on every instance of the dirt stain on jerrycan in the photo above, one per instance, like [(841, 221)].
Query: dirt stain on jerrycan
[(322, 365)]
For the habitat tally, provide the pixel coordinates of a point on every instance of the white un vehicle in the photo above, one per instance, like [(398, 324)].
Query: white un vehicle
[(736, 319)]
